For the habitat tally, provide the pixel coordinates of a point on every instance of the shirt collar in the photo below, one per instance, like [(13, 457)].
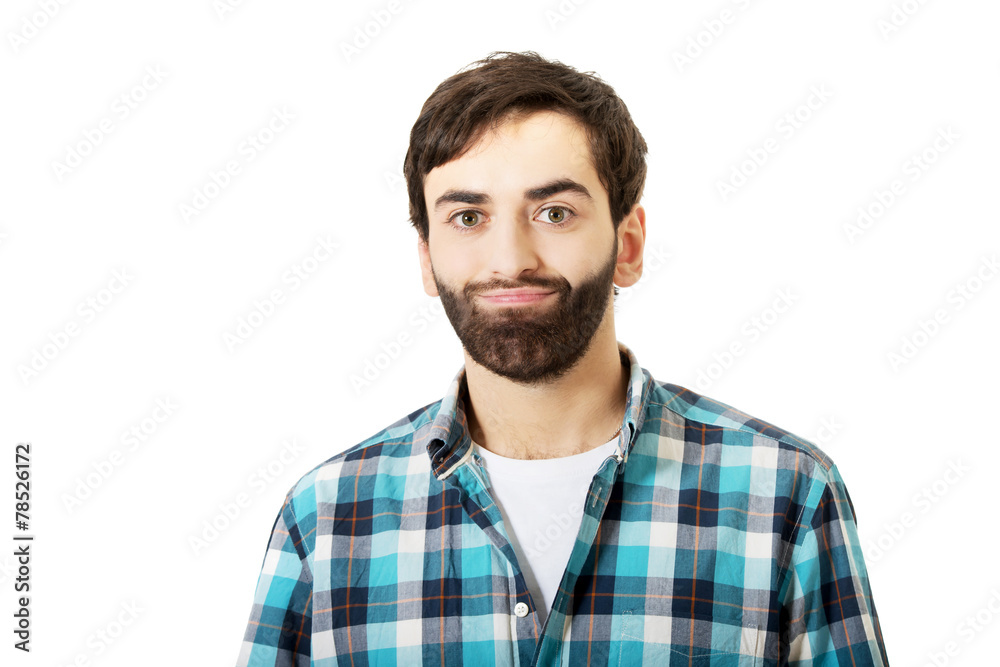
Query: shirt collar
[(449, 445)]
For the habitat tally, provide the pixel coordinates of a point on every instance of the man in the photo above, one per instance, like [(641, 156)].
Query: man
[(558, 506)]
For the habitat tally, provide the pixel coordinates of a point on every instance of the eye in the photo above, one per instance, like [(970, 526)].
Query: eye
[(555, 214), (468, 218)]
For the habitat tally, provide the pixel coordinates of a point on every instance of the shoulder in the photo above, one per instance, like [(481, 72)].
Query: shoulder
[(749, 454), (745, 447), (395, 451), (715, 421)]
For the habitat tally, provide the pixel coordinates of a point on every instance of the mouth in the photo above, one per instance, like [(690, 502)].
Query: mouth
[(515, 297)]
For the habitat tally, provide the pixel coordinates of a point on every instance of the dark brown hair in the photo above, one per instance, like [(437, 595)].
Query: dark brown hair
[(485, 94)]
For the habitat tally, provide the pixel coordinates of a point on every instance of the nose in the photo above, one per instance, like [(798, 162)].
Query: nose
[(513, 250)]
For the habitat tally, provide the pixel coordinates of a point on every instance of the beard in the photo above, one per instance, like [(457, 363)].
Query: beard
[(531, 344)]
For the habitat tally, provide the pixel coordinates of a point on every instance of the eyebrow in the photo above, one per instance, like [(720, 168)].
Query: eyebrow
[(533, 194)]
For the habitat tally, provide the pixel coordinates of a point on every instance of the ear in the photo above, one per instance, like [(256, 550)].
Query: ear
[(631, 240), (426, 272)]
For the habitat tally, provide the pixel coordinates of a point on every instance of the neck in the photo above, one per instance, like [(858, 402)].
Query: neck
[(570, 415)]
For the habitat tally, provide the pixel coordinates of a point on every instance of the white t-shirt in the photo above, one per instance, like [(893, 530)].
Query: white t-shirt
[(542, 501)]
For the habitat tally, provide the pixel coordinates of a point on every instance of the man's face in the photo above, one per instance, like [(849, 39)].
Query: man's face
[(522, 249)]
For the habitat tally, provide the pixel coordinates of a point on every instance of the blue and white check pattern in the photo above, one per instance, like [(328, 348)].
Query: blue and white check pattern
[(710, 539)]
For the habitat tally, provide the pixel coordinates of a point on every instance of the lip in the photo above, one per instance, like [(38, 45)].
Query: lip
[(515, 296)]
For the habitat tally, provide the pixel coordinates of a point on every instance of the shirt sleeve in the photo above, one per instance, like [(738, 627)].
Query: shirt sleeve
[(278, 633), (832, 618)]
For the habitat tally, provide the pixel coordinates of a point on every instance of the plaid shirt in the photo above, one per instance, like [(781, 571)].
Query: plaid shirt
[(710, 539)]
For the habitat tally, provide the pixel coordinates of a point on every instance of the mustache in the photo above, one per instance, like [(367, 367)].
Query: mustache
[(555, 284)]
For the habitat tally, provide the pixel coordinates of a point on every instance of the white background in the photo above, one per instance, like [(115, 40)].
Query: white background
[(334, 172)]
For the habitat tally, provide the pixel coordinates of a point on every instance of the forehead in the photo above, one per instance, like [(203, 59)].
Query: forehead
[(525, 150)]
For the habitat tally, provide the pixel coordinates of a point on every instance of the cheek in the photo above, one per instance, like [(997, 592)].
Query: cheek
[(455, 267), (574, 259)]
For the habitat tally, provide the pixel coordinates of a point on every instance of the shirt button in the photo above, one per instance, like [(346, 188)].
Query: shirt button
[(521, 609)]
